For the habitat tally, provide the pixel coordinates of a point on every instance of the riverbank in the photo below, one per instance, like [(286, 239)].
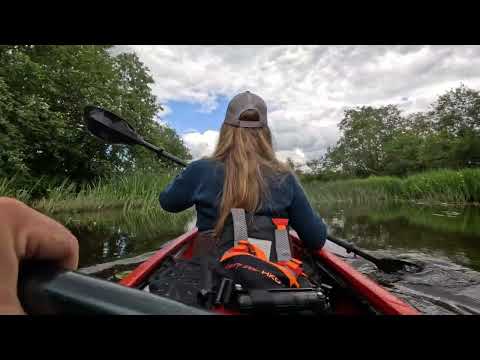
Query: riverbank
[(137, 191), (129, 203), (461, 187), (140, 191)]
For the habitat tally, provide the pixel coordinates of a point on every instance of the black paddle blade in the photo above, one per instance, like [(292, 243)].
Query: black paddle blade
[(110, 127), (390, 265), (387, 265)]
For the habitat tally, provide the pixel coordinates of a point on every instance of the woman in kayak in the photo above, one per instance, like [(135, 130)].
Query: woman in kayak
[(243, 172)]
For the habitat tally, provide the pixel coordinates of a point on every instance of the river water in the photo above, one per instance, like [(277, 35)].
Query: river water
[(444, 240)]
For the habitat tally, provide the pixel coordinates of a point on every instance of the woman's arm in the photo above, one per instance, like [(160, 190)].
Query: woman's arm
[(178, 195), (304, 220)]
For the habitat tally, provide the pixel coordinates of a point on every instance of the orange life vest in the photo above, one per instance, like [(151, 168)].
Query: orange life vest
[(252, 265)]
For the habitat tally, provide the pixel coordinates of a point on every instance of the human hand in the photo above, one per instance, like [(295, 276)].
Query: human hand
[(27, 234)]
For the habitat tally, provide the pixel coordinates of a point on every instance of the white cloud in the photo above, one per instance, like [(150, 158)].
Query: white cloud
[(307, 87), (201, 144), (297, 155)]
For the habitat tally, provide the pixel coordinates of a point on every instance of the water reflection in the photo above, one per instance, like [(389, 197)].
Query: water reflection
[(411, 229), (107, 236), (445, 240)]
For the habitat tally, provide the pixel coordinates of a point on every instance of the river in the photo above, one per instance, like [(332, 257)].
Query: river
[(445, 240)]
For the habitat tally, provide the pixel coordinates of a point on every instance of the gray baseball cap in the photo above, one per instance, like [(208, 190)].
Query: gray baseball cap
[(243, 102)]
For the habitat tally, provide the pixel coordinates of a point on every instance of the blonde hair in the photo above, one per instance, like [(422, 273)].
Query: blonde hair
[(248, 157)]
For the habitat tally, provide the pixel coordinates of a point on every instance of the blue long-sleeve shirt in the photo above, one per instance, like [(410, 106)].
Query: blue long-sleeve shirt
[(201, 185)]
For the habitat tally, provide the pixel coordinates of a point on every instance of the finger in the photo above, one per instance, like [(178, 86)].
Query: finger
[(38, 236), (9, 303), (50, 240), (26, 233), (12, 308), (55, 244)]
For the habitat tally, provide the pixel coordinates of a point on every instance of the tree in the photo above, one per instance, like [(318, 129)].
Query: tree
[(438, 151), (467, 150), (457, 112), (43, 90), (403, 150), (380, 141), (402, 154), (360, 150), (11, 152)]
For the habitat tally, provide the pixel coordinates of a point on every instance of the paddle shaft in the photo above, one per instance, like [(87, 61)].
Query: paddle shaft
[(162, 153), (44, 289), (352, 248)]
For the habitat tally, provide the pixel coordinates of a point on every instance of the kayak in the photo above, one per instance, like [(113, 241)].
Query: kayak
[(350, 292)]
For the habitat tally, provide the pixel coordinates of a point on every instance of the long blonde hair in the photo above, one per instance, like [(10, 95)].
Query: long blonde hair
[(248, 157)]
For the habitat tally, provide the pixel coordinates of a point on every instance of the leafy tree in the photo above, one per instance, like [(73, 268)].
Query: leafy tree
[(360, 150), (43, 91), (381, 141), (402, 154), (457, 112)]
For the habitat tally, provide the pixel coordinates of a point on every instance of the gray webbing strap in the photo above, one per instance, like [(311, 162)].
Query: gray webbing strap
[(282, 245), (239, 225)]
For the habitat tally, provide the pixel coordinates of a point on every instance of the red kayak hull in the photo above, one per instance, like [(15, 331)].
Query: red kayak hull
[(376, 296)]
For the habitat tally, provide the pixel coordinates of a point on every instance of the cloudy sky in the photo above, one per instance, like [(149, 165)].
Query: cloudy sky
[(306, 87)]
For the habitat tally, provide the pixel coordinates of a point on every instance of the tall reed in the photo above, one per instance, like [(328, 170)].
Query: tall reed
[(437, 186)]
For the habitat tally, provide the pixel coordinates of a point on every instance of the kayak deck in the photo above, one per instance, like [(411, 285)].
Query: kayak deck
[(352, 292)]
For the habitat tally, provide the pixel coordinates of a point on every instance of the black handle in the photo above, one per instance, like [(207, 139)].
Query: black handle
[(171, 157), (162, 153), (352, 248), (44, 289), (278, 300)]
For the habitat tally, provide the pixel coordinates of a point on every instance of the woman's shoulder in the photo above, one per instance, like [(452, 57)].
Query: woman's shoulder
[(203, 164), (284, 178), (284, 181)]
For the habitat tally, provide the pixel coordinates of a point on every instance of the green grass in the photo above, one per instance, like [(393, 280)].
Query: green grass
[(134, 192), (137, 191), (438, 186), (7, 188)]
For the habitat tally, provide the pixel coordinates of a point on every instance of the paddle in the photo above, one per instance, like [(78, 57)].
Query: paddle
[(388, 265), (44, 289), (112, 128)]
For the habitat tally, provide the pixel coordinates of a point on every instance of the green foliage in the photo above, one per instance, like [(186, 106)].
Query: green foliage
[(457, 112), (446, 186), (382, 141), (43, 90), (403, 155), (360, 150), (137, 191)]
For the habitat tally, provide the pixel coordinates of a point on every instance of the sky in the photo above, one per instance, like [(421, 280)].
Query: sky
[(306, 88)]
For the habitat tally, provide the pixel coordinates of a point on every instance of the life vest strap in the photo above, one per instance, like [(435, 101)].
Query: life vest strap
[(282, 241), (239, 225), (290, 267)]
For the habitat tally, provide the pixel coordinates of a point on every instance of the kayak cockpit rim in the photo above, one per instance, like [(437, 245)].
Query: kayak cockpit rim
[(363, 290)]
